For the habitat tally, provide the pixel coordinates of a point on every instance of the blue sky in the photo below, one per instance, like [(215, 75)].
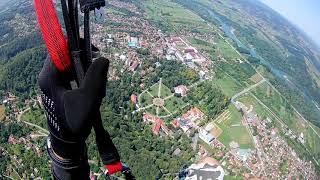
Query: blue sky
[(303, 13)]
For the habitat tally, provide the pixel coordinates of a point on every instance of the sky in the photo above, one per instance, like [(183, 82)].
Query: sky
[(303, 13)]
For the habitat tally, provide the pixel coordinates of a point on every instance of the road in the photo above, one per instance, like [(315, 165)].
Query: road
[(28, 123), (246, 90), (34, 125), (282, 96)]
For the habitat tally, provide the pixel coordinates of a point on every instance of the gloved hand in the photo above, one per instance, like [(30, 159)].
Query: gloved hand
[(71, 113)]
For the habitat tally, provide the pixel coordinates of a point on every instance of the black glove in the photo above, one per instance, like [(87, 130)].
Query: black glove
[(71, 113)]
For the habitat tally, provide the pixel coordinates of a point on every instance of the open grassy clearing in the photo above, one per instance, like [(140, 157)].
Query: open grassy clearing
[(313, 141), (165, 91), (174, 104), (162, 112), (154, 90), (233, 130), (256, 78), (227, 85), (145, 99), (248, 100), (225, 50), (177, 16), (203, 46)]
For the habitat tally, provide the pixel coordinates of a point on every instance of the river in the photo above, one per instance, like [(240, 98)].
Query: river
[(278, 73)]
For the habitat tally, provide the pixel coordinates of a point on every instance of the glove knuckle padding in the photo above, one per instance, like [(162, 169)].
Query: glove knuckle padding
[(95, 79), (81, 104)]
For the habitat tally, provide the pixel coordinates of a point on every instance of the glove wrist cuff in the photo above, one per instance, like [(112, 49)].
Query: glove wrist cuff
[(73, 151)]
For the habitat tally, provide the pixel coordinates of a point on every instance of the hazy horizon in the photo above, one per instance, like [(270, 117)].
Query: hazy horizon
[(303, 14)]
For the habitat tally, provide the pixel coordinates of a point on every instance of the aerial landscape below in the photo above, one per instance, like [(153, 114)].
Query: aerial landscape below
[(199, 88)]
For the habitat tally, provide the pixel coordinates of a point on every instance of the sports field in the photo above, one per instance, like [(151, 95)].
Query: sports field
[(233, 130)]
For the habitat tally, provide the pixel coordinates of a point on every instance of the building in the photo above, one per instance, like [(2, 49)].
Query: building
[(182, 123), (142, 86), (208, 168), (194, 114), (158, 126), (205, 136), (181, 89)]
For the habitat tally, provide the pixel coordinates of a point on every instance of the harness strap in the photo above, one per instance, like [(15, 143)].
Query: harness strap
[(70, 23)]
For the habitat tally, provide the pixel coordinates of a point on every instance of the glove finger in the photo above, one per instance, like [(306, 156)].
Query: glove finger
[(51, 81), (95, 79)]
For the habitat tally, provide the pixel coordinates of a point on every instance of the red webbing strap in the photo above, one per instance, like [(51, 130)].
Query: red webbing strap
[(52, 34)]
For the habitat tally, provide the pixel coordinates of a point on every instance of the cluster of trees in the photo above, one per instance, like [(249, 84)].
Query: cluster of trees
[(29, 158), (148, 155), (174, 73), (209, 99), (20, 73)]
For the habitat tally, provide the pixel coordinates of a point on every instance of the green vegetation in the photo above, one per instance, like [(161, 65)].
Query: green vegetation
[(145, 99), (208, 98), (29, 158), (137, 146), (284, 166), (34, 115), (175, 105), (233, 130), (227, 84), (174, 74), (169, 16), (172, 103)]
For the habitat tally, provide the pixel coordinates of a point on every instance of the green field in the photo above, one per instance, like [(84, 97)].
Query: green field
[(177, 16), (248, 100), (233, 130), (227, 85), (174, 104), (286, 114), (280, 107), (313, 140), (165, 91), (225, 50), (145, 99)]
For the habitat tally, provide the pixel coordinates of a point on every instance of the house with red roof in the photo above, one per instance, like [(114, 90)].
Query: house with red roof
[(194, 114), (158, 124)]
